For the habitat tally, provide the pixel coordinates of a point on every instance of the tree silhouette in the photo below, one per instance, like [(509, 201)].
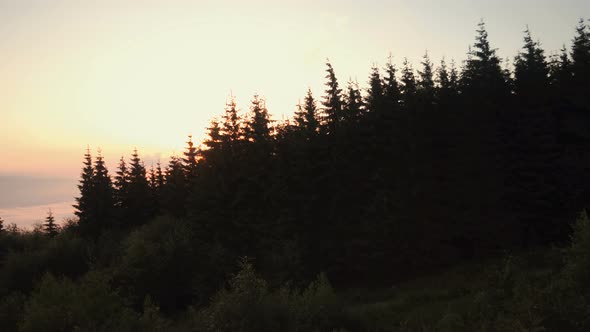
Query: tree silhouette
[(531, 72), (375, 99), (190, 159), (85, 202), (409, 86), (353, 102), (332, 103), (49, 226), (258, 125)]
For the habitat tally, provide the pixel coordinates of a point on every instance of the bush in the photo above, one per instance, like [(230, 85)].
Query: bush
[(248, 304), (11, 311), (158, 261), (59, 304)]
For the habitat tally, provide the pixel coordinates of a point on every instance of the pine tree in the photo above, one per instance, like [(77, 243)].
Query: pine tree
[(409, 86), (139, 203), (190, 159), (446, 79), (307, 117), (49, 226), (85, 202), (581, 52), (152, 179), (232, 123), (159, 176), (103, 191), (391, 89), (375, 99), (531, 71), (426, 81), (1, 225), (332, 103), (121, 186), (353, 102), (560, 71), (174, 192), (258, 125), (215, 137), (483, 76), (581, 66)]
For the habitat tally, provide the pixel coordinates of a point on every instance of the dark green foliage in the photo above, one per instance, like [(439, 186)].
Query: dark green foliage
[(11, 311), (89, 305), (159, 260), (249, 304)]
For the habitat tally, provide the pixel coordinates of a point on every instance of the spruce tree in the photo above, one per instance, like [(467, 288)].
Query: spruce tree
[(531, 71), (483, 76), (174, 192), (104, 192), (581, 66), (408, 86), (353, 102), (159, 176), (232, 123), (215, 137), (426, 81), (258, 124), (86, 201), (332, 103), (391, 89), (121, 187), (49, 226), (307, 116), (139, 203), (560, 72), (375, 98), (190, 159)]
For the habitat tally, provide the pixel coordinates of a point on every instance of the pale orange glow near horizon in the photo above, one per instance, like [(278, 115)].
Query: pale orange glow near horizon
[(124, 74)]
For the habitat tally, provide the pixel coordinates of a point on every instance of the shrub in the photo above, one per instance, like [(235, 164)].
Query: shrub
[(248, 304), (59, 304)]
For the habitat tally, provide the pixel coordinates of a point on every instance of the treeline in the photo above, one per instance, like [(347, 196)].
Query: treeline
[(423, 169)]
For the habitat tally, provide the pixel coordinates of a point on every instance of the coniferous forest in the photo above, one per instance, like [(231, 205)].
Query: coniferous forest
[(444, 197)]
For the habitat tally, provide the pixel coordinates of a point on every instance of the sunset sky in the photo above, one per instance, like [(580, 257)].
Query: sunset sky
[(124, 74)]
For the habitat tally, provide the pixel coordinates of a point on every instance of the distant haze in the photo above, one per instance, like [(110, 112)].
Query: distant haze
[(25, 200)]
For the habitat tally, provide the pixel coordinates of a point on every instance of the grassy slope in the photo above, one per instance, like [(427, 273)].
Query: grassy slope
[(425, 301)]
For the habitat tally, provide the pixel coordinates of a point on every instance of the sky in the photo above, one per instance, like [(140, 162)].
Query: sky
[(116, 75)]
